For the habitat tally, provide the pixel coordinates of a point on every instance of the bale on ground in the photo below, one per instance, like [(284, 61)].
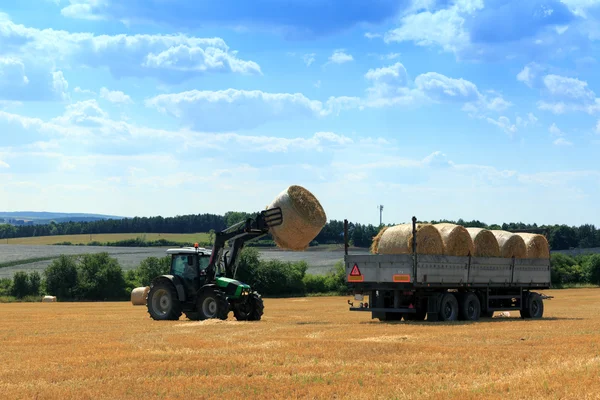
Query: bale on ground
[(484, 243), (49, 299), (138, 295), (511, 245), (398, 240), (537, 245), (303, 218), (456, 239)]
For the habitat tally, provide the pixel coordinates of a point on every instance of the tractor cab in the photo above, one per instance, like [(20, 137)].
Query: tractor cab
[(190, 264)]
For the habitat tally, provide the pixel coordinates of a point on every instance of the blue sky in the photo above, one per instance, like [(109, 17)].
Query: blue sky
[(441, 109)]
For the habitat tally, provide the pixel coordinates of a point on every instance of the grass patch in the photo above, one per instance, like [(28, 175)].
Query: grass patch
[(14, 263)]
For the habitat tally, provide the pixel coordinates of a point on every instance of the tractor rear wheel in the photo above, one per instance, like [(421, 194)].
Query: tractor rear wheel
[(163, 303), (192, 315), (212, 303), (250, 311)]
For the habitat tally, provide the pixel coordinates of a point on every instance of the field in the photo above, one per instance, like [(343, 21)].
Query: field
[(30, 258), (303, 348), (108, 237)]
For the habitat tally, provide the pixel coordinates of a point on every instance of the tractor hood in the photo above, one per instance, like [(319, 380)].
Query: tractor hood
[(224, 282)]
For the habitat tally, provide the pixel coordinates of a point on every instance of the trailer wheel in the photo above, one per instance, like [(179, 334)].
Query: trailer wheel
[(487, 314), (448, 308), (470, 307), (533, 307)]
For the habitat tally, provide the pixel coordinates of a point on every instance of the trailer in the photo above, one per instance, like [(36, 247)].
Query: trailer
[(444, 288)]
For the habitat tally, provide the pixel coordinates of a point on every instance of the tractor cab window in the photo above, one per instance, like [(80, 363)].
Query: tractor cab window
[(178, 264), (203, 263)]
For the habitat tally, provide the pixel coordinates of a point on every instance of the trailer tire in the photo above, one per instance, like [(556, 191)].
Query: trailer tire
[(448, 307), (470, 307), (534, 306), (486, 314)]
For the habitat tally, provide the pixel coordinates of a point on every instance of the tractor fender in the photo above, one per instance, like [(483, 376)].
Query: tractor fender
[(175, 281), (206, 287)]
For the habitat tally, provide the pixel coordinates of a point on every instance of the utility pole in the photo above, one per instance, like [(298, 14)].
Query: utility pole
[(380, 214)]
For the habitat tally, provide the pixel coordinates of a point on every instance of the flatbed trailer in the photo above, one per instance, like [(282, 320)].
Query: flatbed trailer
[(444, 288)]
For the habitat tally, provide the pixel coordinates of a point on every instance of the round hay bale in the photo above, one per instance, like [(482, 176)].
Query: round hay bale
[(484, 243), (49, 299), (511, 245), (376, 239), (398, 240), (303, 218), (456, 239), (138, 295), (537, 245)]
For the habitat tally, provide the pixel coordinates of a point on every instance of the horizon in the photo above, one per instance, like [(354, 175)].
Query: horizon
[(147, 110)]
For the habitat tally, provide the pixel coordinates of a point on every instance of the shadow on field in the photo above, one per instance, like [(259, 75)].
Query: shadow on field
[(458, 323), (313, 323)]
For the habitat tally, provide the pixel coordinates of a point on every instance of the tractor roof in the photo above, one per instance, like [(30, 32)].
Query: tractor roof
[(190, 250)]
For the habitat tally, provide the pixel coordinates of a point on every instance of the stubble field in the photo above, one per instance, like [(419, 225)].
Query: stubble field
[(303, 348)]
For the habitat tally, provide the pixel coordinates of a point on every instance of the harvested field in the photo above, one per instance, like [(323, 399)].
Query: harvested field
[(108, 237), (303, 348)]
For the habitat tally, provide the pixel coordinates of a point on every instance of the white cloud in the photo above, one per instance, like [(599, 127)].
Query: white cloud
[(394, 74), (4, 164), (208, 110), (555, 130), (83, 9), (79, 90), (504, 123), (562, 142), (309, 59), (169, 58), (12, 71), (568, 88), (340, 56), (598, 127), (371, 35), (115, 96)]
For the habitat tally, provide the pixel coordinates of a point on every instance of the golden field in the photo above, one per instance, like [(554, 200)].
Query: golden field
[(108, 237), (303, 348)]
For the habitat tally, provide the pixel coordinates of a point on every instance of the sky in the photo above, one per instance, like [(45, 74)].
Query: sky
[(440, 109)]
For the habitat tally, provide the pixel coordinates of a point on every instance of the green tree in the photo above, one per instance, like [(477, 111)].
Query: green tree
[(152, 267), (211, 236), (100, 277), (20, 287), (35, 283), (594, 269), (61, 278)]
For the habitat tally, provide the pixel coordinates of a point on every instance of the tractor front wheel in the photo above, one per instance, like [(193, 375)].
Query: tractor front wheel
[(252, 310), (212, 304), (163, 303)]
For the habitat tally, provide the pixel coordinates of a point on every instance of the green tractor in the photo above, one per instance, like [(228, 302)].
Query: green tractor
[(201, 283)]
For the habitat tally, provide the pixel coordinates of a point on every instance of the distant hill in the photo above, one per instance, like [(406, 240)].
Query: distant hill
[(43, 217)]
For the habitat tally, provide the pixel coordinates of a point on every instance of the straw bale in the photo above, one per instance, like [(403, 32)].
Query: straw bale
[(138, 296), (537, 245), (49, 299), (398, 240), (456, 239), (484, 243), (303, 218), (511, 245)]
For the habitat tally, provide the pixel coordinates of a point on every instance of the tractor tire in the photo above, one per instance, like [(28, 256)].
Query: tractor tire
[(448, 308), (212, 303), (469, 307), (534, 306), (251, 311), (163, 303)]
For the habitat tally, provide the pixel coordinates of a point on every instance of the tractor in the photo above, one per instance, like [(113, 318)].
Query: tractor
[(201, 282)]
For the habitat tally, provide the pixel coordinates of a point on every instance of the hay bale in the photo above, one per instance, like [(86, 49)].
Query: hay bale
[(49, 299), (303, 218), (376, 239), (537, 245), (138, 296), (398, 240), (511, 245), (456, 239), (484, 243)]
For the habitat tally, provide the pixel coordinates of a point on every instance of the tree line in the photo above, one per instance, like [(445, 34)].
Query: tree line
[(560, 237), (99, 277)]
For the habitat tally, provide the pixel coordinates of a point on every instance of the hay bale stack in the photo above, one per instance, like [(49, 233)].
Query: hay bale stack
[(398, 240), (537, 245), (456, 239), (138, 296), (303, 218), (49, 299), (484, 243), (511, 245)]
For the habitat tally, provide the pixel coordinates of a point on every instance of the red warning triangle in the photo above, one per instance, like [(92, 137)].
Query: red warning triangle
[(355, 271)]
